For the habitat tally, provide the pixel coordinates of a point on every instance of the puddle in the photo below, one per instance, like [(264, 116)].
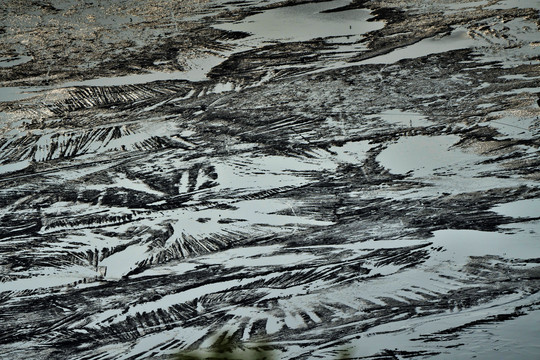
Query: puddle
[(516, 127), (122, 181), (294, 23), (519, 209), (197, 70), (12, 167), (51, 278), (441, 272), (304, 22), (522, 90), (353, 152), (257, 256), (513, 339), (220, 88), (122, 262), (18, 93), (467, 5), (455, 41), (268, 172), (507, 340), (519, 77), (262, 173), (516, 40), (424, 155), (402, 118), (516, 48), (511, 4), (249, 216), (191, 294), (10, 62), (4, 119), (462, 244), (253, 217)]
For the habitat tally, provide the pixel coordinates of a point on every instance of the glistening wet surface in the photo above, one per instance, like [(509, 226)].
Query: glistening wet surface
[(331, 179), (305, 22), (17, 60), (457, 39), (423, 156)]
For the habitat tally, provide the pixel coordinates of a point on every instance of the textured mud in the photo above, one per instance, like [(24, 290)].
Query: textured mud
[(166, 175)]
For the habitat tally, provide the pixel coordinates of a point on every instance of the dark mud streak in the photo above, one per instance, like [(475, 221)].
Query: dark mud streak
[(170, 167)]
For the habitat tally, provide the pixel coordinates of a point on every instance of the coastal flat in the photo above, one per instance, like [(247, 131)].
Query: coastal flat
[(330, 179)]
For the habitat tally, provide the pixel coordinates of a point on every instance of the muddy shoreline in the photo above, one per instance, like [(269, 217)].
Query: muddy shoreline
[(169, 173)]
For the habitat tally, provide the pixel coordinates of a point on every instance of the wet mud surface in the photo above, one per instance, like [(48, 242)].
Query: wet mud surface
[(174, 170)]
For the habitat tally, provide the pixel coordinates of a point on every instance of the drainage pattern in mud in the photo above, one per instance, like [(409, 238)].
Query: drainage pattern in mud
[(329, 178)]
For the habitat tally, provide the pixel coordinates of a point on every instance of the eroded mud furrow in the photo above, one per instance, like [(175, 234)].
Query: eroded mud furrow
[(105, 96), (335, 179), (166, 319)]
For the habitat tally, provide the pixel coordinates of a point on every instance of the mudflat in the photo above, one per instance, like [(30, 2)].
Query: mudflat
[(332, 179)]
